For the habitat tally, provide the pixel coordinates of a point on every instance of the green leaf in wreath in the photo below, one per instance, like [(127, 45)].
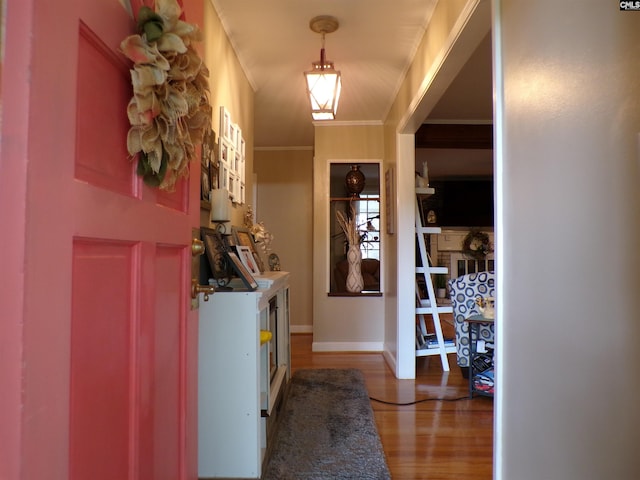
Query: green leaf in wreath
[(144, 170), (150, 23), (146, 14), (153, 30), (143, 164)]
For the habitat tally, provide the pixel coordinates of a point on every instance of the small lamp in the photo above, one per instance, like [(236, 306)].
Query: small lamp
[(220, 208), (323, 80)]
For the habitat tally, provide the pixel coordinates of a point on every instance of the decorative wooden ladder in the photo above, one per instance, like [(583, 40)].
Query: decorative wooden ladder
[(428, 305)]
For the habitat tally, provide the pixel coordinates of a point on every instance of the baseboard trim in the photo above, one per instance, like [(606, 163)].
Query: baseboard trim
[(391, 361), (376, 347), (301, 328)]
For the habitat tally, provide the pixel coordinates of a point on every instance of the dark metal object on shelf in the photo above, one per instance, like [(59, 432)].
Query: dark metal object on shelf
[(354, 181)]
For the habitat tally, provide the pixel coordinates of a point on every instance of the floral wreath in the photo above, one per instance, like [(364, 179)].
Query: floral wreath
[(477, 245), (170, 110)]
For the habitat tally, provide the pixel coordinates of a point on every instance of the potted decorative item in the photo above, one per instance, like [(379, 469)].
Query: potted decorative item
[(441, 285), (355, 282), (354, 181)]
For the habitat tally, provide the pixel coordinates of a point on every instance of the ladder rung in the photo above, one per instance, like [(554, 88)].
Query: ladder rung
[(424, 352), (441, 309), (434, 230), (444, 270), (425, 190)]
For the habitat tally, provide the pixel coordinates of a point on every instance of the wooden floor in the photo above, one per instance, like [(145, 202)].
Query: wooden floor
[(428, 440)]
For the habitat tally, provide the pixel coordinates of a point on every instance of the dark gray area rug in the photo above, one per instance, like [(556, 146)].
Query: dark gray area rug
[(326, 430)]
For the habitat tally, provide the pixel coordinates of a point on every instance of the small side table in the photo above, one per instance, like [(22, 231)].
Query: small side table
[(474, 322)]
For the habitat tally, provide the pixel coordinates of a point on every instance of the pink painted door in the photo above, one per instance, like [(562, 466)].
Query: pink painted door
[(99, 373)]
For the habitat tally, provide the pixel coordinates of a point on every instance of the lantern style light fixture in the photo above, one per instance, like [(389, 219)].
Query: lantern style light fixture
[(323, 81)]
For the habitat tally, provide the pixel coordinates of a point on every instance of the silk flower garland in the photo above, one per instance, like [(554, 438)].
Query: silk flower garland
[(170, 109)]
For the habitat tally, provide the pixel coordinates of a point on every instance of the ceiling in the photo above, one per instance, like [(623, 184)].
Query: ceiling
[(373, 47)]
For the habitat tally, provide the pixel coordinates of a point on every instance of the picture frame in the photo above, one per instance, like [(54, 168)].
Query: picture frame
[(215, 250), (231, 157), (243, 237), (390, 200), (207, 157), (241, 271), (208, 147), (224, 176), (247, 259), (233, 134), (225, 123), (214, 173), (205, 184), (274, 262), (224, 151)]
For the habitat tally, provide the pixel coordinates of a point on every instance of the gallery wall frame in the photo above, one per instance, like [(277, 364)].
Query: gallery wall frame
[(231, 148)]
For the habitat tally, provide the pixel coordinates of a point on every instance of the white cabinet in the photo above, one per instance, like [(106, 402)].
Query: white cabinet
[(240, 379)]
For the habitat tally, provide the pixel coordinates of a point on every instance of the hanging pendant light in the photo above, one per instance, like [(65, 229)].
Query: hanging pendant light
[(323, 81)]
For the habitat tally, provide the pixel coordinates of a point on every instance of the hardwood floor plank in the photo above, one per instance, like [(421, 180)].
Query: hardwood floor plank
[(430, 440)]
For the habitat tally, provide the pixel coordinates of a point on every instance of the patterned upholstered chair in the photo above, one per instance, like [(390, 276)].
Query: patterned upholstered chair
[(464, 291)]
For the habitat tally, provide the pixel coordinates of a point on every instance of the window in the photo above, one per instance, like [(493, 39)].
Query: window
[(368, 221)]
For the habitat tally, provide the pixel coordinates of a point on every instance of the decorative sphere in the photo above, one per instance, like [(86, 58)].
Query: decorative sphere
[(354, 181)]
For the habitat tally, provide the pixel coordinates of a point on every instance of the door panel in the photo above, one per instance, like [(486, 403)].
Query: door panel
[(178, 199), (106, 333), (101, 352), (101, 122), (168, 431)]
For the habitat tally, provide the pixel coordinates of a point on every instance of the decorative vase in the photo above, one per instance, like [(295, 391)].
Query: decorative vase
[(355, 283), (354, 181)]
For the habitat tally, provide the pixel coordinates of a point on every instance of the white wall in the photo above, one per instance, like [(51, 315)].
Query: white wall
[(568, 229)]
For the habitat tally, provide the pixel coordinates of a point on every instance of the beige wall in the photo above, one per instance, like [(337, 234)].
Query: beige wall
[(231, 89), (568, 203), (342, 323), (284, 203), (372, 322), (455, 30)]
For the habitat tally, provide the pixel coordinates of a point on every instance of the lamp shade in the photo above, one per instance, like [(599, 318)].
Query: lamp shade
[(323, 87)]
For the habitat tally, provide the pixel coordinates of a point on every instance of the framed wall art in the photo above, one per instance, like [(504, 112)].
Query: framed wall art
[(243, 237), (247, 259), (231, 148), (215, 250), (390, 200), (242, 271), (207, 158)]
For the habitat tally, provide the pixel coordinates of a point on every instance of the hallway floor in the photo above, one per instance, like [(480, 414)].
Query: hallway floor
[(435, 440)]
